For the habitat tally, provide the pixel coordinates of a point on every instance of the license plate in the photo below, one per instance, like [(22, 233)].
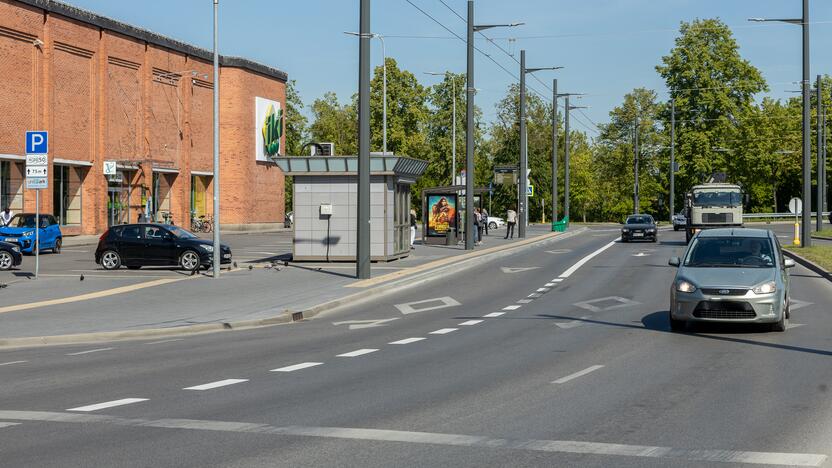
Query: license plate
[(10, 239), (638, 234), (226, 255)]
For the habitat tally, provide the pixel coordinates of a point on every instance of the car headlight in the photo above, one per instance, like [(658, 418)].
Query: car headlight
[(208, 248), (625, 230), (766, 288), (684, 286), (15, 248), (28, 233), (651, 230)]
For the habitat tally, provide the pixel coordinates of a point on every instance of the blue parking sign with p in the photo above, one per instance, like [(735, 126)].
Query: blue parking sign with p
[(37, 142)]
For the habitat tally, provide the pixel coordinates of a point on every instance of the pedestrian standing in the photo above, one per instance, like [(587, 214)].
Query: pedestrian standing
[(477, 227), (485, 220), (511, 220), (412, 227), (5, 216)]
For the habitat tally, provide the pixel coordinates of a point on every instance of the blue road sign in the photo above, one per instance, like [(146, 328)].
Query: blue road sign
[(37, 142)]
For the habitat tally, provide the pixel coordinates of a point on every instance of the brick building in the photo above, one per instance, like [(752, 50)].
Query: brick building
[(108, 91)]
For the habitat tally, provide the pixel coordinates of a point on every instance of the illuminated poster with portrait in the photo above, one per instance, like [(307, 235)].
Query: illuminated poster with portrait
[(441, 214)]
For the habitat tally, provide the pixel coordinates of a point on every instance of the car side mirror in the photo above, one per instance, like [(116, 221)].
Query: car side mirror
[(674, 261), (788, 263)]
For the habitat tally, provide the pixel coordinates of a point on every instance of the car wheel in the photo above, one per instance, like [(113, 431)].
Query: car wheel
[(492, 225), (189, 260), (133, 267), (624, 239), (676, 325), (57, 248), (675, 228), (781, 325), (6, 260), (110, 260), (788, 309)]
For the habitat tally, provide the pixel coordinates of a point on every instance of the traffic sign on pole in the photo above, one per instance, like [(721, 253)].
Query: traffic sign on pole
[(37, 142), (530, 190), (37, 178)]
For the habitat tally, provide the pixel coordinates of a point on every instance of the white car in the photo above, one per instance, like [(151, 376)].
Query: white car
[(495, 222)]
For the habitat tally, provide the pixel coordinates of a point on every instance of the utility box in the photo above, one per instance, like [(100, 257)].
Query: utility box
[(325, 205)]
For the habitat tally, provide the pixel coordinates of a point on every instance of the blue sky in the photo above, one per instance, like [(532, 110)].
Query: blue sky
[(607, 46)]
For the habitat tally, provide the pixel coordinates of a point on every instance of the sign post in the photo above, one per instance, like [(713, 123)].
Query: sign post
[(37, 178), (796, 206)]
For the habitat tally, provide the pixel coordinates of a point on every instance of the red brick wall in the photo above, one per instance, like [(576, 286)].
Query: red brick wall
[(100, 96)]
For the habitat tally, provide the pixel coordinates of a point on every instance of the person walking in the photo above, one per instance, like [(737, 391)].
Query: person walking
[(5, 216), (477, 218), (485, 220), (412, 227), (511, 220)]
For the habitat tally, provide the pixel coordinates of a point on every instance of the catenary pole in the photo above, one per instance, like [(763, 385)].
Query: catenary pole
[(806, 240), (566, 162), (469, 134), (453, 135), (362, 264), (384, 92), (672, 156), (217, 245), (524, 162), (554, 150), (819, 152), (635, 168)]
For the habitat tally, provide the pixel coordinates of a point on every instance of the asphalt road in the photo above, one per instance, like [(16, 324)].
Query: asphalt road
[(546, 358)]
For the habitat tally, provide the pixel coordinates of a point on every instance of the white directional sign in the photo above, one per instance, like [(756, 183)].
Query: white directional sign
[(109, 168), (37, 182), (37, 160), (37, 171)]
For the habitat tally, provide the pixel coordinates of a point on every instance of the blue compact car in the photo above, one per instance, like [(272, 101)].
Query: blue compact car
[(21, 231)]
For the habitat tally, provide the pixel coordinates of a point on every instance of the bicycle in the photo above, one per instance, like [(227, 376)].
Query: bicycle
[(207, 223)]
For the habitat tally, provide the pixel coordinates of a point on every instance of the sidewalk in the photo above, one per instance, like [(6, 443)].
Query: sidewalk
[(263, 289)]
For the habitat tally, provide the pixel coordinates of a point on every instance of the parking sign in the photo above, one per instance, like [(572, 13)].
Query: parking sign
[(37, 142)]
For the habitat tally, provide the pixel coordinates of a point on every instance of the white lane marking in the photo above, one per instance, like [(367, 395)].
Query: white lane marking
[(295, 367), (582, 262), (12, 362), (559, 251), (535, 295), (613, 302), (108, 404), (542, 289), (217, 384), (434, 438), (494, 314), (443, 331), (512, 307), (524, 301), (358, 352), (577, 374), (517, 269), (470, 322), (407, 340), (408, 307), (795, 304), (557, 280), (89, 351), (549, 285), (794, 325), (164, 341), (359, 324)]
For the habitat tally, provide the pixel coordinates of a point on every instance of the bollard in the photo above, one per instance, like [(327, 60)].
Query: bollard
[(796, 240)]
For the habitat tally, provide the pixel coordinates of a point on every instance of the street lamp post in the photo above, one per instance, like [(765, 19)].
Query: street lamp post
[(819, 172), (672, 156), (453, 135), (805, 229), (362, 260), (635, 168), (216, 261), (524, 153), (555, 150), (383, 86), (469, 117)]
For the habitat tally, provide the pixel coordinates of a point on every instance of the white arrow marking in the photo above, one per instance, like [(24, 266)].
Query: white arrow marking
[(572, 324), (559, 251), (517, 269), (359, 324), (641, 254), (794, 325), (795, 304)]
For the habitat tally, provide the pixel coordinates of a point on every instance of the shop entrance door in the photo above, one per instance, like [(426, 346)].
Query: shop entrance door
[(118, 200)]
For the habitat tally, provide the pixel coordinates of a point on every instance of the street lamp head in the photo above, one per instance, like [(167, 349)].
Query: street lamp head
[(757, 20), (481, 27), (370, 35), (532, 70)]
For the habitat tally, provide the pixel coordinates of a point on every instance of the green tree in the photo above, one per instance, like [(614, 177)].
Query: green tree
[(407, 112), (296, 133), (335, 122)]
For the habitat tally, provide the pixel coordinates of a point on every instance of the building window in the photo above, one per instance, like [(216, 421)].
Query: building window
[(66, 194), (162, 184), (199, 198), (11, 186)]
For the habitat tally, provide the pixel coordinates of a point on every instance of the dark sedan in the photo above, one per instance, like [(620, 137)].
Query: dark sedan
[(10, 256), (639, 227), (138, 245)]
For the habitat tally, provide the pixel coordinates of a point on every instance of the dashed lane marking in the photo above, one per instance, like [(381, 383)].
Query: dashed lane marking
[(108, 404), (582, 262), (434, 438), (494, 314), (443, 331), (470, 322), (12, 362), (297, 367), (577, 374), (557, 280), (407, 340), (535, 295), (549, 285), (358, 352), (524, 301), (542, 289), (512, 307), (217, 384), (98, 350)]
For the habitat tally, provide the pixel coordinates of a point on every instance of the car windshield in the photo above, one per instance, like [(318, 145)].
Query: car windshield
[(181, 233), (639, 220), (722, 198), (22, 221), (730, 252)]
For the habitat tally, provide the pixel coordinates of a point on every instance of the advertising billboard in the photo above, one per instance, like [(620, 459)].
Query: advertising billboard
[(441, 214), (268, 126)]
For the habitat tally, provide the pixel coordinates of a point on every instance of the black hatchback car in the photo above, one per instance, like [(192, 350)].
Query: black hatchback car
[(138, 245), (10, 256), (639, 227)]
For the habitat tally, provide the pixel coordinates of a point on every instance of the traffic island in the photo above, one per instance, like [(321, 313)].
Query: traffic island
[(825, 234)]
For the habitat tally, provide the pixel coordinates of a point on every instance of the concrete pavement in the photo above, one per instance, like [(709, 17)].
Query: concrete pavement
[(547, 365)]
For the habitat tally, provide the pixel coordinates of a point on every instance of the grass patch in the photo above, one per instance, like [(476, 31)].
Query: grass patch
[(820, 254), (824, 233)]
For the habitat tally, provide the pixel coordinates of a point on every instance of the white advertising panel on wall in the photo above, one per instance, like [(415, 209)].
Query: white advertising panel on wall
[(268, 126)]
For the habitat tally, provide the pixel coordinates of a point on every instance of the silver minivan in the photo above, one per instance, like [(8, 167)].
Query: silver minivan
[(733, 275)]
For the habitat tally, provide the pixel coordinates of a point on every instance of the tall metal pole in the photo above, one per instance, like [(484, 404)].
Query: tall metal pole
[(362, 260), (635, 168), (554, 150), (469, 134), (524, 162), (566, 162), (823, 164), (806, 238), (453, 135), (217, 260), (819, 170), (384, 92), (672, 156)]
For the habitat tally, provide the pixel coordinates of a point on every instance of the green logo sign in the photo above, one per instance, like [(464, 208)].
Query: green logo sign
[(272, 131)]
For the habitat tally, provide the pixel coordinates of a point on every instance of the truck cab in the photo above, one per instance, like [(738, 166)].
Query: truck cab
[(713, 205)]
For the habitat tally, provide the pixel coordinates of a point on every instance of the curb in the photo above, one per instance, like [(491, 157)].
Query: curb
[(290, 316), (809, 264)]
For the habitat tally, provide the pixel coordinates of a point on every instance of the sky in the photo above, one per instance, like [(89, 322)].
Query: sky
[(608, 47)]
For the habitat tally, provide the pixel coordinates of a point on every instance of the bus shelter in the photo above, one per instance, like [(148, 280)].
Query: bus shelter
[(443, 213)]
